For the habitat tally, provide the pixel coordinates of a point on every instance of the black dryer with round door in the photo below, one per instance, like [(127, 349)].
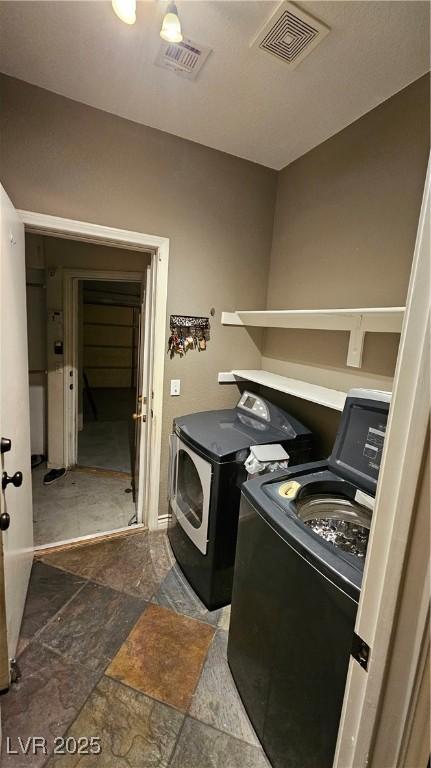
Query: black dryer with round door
[(206, 471)]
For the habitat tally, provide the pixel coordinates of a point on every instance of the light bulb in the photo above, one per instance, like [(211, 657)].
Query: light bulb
[(171, 27), (125, 10)]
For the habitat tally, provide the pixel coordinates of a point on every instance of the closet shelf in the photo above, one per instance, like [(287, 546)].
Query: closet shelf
[(357, 321), (331, 398)]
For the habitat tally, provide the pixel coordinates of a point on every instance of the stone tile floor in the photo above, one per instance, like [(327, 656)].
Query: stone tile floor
[(116, 645)]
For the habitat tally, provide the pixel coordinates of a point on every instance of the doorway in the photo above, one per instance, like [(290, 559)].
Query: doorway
[(109, 326), (96, 492), (94, 421)]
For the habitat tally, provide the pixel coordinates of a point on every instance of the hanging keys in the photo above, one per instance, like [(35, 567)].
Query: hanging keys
[(189, 343), (187, 333), (202, 343)]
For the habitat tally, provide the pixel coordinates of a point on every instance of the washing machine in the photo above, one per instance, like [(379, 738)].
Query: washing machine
[(206, 471), (302, 540)]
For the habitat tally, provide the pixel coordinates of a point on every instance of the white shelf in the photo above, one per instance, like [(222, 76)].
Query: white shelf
[(357, 321), (331, 398)]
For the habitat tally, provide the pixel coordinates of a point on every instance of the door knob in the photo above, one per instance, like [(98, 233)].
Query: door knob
[(6, 445), (137, 416), (4, 521), (15, 479)]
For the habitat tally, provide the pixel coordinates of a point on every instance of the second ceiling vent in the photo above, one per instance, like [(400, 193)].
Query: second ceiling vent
[(290, 34), (185, 59)]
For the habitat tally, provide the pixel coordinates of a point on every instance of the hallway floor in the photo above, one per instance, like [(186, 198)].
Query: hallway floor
[(107, 442), (116, 645), (79, 504)]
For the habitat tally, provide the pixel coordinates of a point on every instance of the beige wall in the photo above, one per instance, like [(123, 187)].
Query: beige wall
[(344, 231), (66, 159)]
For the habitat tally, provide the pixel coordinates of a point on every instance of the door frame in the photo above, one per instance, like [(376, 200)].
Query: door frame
[(390, 537), (71, 229)]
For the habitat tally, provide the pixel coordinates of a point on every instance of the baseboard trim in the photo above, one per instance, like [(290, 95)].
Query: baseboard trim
[(162, 521)]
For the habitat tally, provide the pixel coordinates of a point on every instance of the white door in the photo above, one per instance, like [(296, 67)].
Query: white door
[(384, 582), (16, 518), (144, 396)]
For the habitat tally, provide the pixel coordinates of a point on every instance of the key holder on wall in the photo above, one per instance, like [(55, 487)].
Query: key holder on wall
[(188, 332)]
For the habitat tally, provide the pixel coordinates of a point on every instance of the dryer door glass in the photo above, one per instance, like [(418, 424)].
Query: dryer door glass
[(191, 501), (190, 492)]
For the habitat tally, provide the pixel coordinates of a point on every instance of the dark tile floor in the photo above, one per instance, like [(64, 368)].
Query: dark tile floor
[(116, 645)]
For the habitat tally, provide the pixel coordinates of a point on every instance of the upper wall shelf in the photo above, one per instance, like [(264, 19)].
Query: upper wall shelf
[(357, 321), (330, 398)]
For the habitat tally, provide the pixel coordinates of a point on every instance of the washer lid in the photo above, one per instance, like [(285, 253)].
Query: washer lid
[(221, 434), (358, 447)]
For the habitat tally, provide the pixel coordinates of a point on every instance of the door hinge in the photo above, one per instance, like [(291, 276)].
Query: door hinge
[(15, 671), (360, 651)]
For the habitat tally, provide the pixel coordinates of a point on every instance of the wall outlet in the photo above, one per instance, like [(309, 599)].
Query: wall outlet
[(175, 386)]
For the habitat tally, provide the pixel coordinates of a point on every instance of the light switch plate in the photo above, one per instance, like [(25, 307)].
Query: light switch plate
[(175, 386)]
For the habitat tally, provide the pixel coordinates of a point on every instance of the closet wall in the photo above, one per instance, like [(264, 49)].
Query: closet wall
[(110, 337), (344, 231), (37, 357)]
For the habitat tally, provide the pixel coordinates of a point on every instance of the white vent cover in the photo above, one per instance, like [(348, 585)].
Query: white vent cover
[(186, 58), (290, 34)]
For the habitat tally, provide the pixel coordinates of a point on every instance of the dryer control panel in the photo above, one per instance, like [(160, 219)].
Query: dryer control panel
[(264, 413), (254, 405)]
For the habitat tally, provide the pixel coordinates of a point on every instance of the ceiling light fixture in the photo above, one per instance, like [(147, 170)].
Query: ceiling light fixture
[(171, 27), (125, 10)]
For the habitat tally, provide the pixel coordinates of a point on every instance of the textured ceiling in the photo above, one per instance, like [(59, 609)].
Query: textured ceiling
[(244, 101)]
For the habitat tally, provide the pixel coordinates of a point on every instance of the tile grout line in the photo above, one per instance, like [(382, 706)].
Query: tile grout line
[(186, 616), (71, 662), (92, 580), (50, 621), (68, 727), (174, 748), (211, 725), (257, 746), (201, 671), (145, 695)]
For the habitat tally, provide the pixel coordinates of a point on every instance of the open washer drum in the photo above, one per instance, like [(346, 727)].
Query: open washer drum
[(334, 517)]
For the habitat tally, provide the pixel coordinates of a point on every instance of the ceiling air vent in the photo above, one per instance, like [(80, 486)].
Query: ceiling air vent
[(290, 34), (186, 58)]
